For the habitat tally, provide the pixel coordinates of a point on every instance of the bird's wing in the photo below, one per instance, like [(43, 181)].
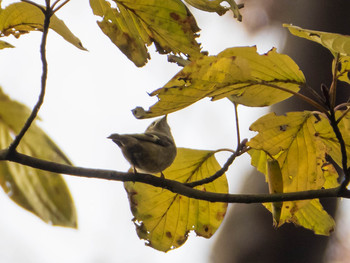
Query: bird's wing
[(154, 138)]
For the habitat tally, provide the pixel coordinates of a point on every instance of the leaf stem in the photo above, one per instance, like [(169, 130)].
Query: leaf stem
[(333, 88), (300, 96), (342, 105), (60, 6), (48, 13), (343, 115)]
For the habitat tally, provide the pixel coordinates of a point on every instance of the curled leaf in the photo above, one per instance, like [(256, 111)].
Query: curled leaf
[(163, 218)]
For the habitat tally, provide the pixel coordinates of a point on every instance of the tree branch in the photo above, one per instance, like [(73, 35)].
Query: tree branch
[(171, 185), (48, 13), (334, 123)]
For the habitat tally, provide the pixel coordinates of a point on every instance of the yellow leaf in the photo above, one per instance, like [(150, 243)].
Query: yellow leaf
[(4, 44), (163, 218), (20, 18), (240, 74), (335, 43), (43, 193), (215, 6), (343, 69), (325, 132), (308, 214), (135, 24), (312, 216), (295, 143)]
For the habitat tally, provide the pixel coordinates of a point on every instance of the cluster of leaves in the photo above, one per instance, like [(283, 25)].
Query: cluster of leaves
[(290, 150)]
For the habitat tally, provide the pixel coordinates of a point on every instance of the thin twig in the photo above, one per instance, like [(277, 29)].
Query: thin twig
[(343, 115), (333, 88), (314, 93), (34, 113), (60, 6), (171, 185), (237, 124), (54, 4), (300, 96), (241, 148), (342, 105)]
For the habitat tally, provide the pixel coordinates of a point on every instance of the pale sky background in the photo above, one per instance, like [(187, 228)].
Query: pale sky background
[(89, 96)]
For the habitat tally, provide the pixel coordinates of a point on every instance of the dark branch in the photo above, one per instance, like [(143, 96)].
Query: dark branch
[(171, 185), (48, 13), (334, 123)]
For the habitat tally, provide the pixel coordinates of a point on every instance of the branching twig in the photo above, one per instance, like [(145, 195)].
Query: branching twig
[(171, 185), (60, 6), (34, 113), (240, 150), (54, 4)]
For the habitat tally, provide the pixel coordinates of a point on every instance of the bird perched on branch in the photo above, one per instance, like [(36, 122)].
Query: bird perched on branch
[(149, 152)]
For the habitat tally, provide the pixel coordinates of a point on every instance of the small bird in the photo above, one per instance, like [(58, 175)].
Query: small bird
[(149, 152)]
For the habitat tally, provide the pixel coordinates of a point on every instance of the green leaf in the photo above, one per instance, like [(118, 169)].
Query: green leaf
[(335, 43), (240, 74), (163, 218), (135, 24), (294, 141), (215, 6), (4, 44), (43, 193), (20, 18)]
